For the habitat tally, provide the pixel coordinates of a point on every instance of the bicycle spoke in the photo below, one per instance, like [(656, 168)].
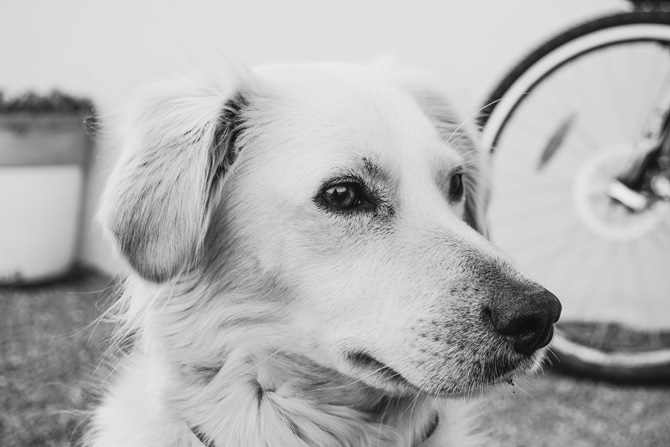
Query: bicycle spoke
[(574, 276), (532, 215), (591, 100), (654, 279), (513, 186), (640, 264), (578, 107), (541, 244), (657, 76), (621, 110)]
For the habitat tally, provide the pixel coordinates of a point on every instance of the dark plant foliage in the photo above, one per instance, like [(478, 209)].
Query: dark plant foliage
[(55, 101)]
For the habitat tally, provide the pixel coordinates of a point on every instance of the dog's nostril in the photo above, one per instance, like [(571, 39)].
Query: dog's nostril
[(487, 314), (527, 319), (526, 331), (518, 325), (528, 326)]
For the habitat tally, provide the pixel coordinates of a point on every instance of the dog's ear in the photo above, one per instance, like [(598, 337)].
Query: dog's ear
[(177, 142), (459, 133)]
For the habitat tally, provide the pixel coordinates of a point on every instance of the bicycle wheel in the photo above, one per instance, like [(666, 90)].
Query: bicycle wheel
[(562, 125)]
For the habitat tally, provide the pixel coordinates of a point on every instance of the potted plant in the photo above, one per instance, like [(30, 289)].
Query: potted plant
[(44, 146)]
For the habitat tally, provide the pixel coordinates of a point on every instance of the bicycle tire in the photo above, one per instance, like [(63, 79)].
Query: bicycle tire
[(498, 109), (565, 37)]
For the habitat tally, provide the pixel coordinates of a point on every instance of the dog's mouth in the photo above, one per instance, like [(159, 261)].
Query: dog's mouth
[(498, 371), (508, 370), (377, 371)]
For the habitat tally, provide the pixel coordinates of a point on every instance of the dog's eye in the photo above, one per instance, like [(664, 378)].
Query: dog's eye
[(342, 195), (456, 187)]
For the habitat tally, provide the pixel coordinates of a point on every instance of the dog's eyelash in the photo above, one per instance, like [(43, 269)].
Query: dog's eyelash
[(366, 198)]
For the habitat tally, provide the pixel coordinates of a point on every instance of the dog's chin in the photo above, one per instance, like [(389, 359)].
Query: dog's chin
[(507, 372), (378, 375)]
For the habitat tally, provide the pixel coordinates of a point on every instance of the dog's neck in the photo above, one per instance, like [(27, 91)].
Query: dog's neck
[(261, 393), (289, 400), (258, 393)]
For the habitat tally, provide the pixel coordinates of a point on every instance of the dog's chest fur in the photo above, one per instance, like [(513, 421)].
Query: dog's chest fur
[(147, 403)]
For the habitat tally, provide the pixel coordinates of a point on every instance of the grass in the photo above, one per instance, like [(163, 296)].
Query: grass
[(559, 411), (50, 350)]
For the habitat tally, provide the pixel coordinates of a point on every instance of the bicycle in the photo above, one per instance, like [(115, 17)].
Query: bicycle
[(588, 213)]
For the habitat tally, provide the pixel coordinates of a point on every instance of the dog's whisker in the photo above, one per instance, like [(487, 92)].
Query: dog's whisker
[(268, 357), (381, 421), (463, 123), (476, 114), (359, 380)]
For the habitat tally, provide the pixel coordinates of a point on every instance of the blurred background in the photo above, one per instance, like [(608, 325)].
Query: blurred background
[(105, 49), (96, 53)]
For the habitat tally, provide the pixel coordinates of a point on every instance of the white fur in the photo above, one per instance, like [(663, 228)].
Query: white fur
[(249, 302)]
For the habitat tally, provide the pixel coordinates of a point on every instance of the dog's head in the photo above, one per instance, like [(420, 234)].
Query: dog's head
[(349, 198)]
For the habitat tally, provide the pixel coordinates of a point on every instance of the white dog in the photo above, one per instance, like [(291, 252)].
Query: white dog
[(310, 266)]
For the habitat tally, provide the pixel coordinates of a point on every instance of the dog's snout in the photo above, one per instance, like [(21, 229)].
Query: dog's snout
[(526, 318)]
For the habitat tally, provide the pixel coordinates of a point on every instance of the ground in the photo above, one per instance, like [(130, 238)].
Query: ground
[(51, 347)]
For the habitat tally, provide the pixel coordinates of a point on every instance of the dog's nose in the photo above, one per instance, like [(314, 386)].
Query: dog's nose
[(527, 318)]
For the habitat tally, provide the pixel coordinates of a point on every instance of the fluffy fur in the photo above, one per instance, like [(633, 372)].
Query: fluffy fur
[(261, 315)]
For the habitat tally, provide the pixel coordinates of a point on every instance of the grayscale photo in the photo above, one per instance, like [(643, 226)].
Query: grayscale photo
[(335, 223)]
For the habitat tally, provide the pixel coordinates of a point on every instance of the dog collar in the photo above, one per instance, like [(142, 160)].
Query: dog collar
[(431, 429)]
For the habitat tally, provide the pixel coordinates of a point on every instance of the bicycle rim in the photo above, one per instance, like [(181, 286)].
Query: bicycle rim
[(553, 217)]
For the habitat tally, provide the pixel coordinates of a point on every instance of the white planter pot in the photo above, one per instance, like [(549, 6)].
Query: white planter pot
[(41, 177)]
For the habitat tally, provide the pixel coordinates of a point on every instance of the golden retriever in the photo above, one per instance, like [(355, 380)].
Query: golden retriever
[(310, 265)]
